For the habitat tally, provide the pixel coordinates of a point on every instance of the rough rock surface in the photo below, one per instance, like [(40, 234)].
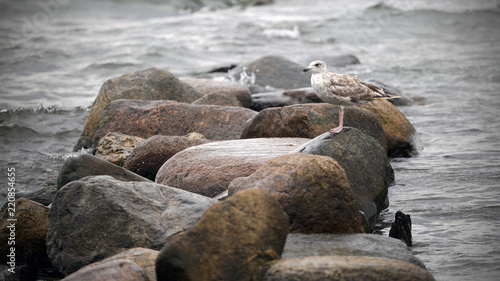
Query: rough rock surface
[(147, 158), (104, 216), (148, 118), (115, 270), (365, 163), (115, 147), (30, 229), (313, 190), (145, 258), (343, 268), (218, 99), (402, 139), (148, 84), (209, 168), (275, 71), (225, 88), (232, 240), (75, 168), (372, 245), (309, 121)]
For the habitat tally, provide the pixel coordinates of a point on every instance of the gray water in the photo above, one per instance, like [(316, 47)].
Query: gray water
[(55, 55)]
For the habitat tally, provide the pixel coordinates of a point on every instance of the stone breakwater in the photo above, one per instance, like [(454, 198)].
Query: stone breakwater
[(202, 179)]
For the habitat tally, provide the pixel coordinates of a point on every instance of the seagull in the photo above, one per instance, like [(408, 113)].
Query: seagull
[(341, 89)]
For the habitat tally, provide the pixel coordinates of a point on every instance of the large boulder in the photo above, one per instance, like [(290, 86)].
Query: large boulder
[(224, 88), (309, 121), (313, 190), (372, 245), (148, 157), (209, 168), (23, 226), (148, 84), (275, 71), (261, 101), (230, 242), (342, 268), (365, 163), (148, 118), (116, 147), (115, 270), (104, 216), (75, 168), (402, 139)]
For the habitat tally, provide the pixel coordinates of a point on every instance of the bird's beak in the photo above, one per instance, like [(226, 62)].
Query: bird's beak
[(306, 69)]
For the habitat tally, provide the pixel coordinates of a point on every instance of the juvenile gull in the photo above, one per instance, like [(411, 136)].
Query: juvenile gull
[(341, 89)]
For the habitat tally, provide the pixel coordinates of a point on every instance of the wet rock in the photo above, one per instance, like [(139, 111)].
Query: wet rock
[(313, 190), (223, 88), (148, 84), (310, 121), (232, 240), (365, 163), (104, 216), (217, 99), (75, 168), (115, 270), (284, 98), (306, 245), (335, 61), (147, 158), (343, 268), (41, 190), (27, 231), (209, 168), (275, 71), (148, 118), (145, 258), (402, 139), (401, 228), (115, 147)]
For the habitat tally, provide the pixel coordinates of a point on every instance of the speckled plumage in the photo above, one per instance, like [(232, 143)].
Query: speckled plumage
[(342, 89)]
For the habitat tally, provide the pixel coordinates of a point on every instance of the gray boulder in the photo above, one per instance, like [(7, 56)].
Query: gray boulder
[(97, 217)]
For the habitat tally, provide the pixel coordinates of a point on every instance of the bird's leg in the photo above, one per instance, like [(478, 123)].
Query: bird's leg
[(341, 121)]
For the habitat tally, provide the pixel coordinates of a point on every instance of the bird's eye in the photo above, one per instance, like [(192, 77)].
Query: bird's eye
[(317, 64)]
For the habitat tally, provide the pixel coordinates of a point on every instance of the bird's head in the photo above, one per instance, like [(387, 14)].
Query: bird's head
[(316, 66)]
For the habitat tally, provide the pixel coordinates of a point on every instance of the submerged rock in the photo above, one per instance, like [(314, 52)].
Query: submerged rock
[(365, 163), (148, 157), (274, 71), (148, 118), (104, 216), (230, 242), (209, 168), (116, 147), (342, 268), (401, 228), (148, 84), (313, 190)]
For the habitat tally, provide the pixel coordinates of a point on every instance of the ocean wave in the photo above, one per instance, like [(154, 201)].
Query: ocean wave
[(446, 6)]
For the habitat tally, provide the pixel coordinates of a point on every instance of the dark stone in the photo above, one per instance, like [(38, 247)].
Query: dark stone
[(236, 93), (148, 84), (75, 168), (275, 71), (262, 101), (365, 163), (41, 190), (401, 228), (230, 242), (148, 118), (97, 217), (313, 190), (147, 158)]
